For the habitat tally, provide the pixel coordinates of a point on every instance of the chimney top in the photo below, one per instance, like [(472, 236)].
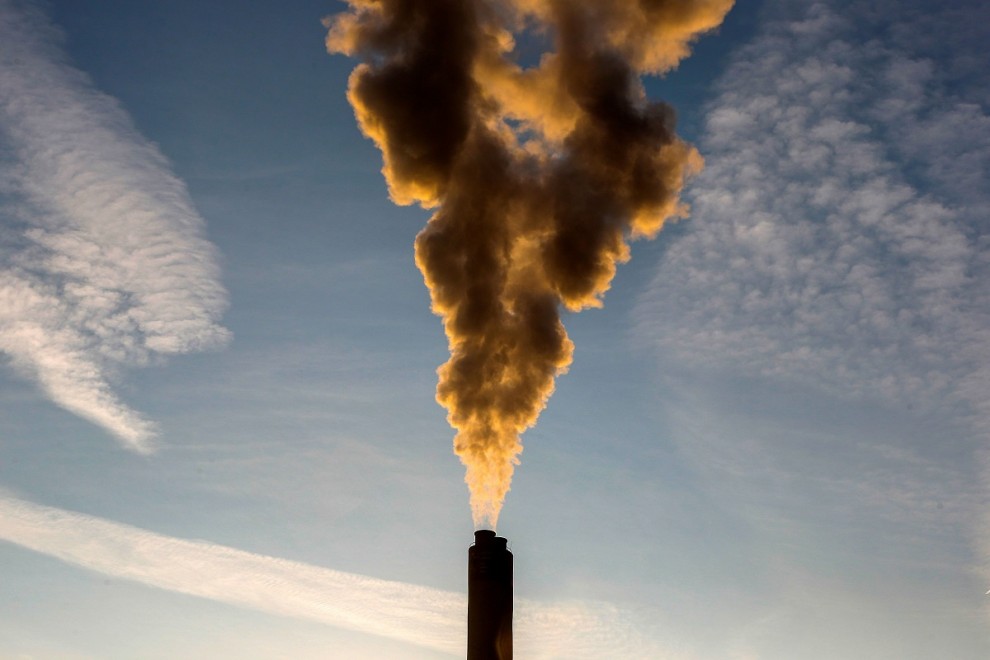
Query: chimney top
[(484, 536)]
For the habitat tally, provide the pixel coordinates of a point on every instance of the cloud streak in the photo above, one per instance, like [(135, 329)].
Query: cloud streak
[(828, 245), (106, 264), (430, 618), (838, 242)]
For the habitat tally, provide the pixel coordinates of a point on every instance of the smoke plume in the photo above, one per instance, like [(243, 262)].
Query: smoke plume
[(539, 176)]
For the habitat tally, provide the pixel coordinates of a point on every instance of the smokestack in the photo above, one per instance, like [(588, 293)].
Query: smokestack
[(489, 598)]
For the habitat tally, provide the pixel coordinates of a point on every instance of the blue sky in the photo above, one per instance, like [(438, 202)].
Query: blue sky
[(218, 433)]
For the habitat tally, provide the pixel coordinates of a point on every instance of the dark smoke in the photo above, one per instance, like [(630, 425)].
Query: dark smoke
[(540, 178)]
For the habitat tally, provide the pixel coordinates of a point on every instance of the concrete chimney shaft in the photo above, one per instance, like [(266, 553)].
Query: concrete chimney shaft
[(489, 598)]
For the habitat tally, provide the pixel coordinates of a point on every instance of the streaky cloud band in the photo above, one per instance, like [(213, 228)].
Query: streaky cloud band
[(106, 260), (423, 616)]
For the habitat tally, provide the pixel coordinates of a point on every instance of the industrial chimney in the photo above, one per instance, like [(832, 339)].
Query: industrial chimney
[(489, 598)]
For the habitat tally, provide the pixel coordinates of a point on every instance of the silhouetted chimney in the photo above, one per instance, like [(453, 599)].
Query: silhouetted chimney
[(489, 598)]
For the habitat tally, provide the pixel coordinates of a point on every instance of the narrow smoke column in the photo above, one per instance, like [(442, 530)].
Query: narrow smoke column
[(489, 598)]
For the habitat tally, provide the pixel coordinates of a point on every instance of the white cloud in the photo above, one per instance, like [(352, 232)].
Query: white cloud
[(838, 245), (105, 262), (835, 238), (431, 618)]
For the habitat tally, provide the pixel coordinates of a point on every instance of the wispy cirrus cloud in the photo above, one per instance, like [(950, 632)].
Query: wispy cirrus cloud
[(430, 618), (838, 246), (105, 261), (835, 236)]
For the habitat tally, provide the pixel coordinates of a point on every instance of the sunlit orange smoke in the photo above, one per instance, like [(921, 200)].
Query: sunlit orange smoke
[(539, 176)]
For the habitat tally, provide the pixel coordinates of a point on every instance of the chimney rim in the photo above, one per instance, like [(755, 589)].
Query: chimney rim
[(484, 535)]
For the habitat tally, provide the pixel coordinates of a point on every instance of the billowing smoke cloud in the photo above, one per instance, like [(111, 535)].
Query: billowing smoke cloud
[(540, 176), (104, 264)]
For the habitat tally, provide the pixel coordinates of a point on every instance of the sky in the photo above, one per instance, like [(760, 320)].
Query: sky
[(218, 427)]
